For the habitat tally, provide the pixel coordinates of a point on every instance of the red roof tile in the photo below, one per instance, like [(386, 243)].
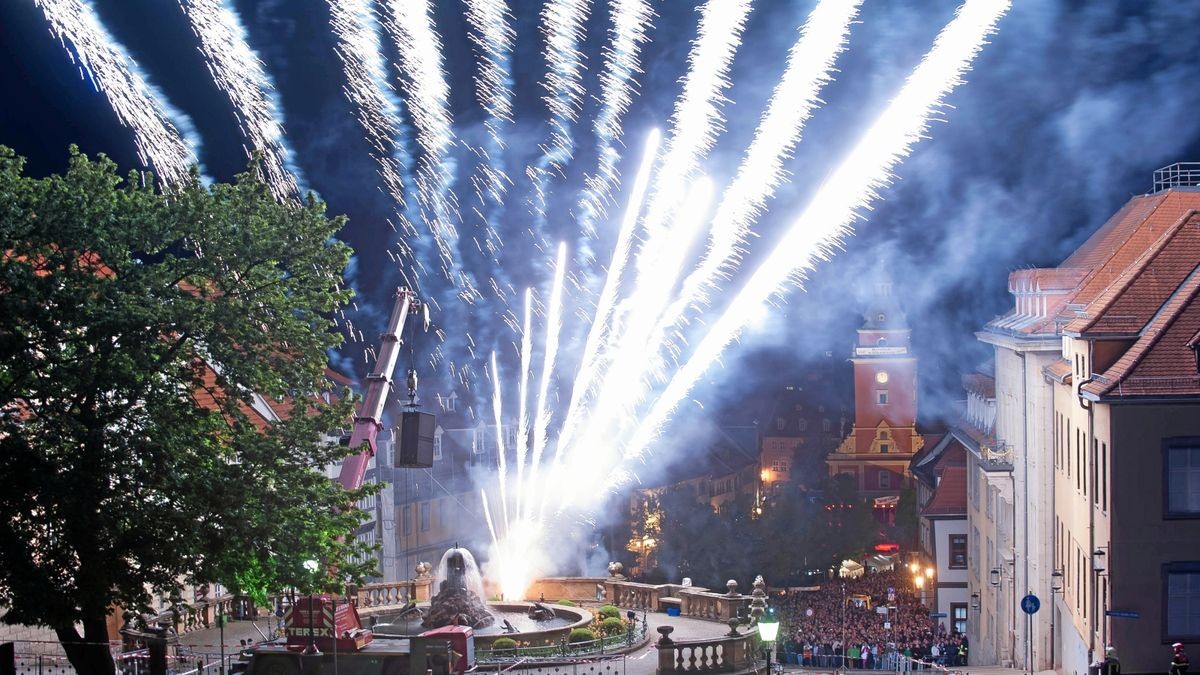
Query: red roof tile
[(978, 383), (1162, 361), (1096, 265), (950, 496), (1134, 296)]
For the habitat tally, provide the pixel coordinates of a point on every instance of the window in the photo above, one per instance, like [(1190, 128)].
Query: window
[(437, 443), (780, 465), (407, 520), (958, 552), (780, 423), (424, 516), (802, 424), (883, 433), (885, 479), (958, 617), (1104, 476), (884, 448), (1181, 587), (1181, 464), (826, 425), (881, 396)]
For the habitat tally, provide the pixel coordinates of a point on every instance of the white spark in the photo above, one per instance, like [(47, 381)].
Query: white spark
[(630, 21), (239, 73), (163, 136), (553, 327), (493, 38), (368, 90), (851, 188)]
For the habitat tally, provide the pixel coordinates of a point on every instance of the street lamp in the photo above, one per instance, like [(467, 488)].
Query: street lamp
[(312, 566), (768, 630)]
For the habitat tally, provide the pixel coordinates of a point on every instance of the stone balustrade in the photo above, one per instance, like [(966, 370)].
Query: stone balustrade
[(727, 654)]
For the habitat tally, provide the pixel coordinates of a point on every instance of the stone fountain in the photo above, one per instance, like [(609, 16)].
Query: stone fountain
[(459, 596)]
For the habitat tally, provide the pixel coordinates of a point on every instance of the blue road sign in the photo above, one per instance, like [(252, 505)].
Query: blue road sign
[(938, 615), (1030, 604), (1122, 614)]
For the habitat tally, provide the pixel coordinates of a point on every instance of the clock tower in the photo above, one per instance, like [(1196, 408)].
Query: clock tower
[(884, 439)]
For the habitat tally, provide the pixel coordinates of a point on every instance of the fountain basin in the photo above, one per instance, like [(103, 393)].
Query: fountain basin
[(550, 631)]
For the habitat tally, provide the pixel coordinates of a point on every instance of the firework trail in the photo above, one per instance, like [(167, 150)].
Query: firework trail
[(695, 123), (523, 393), (543, 412), (809, 68), (601, 320), (493, 37), (427, 93), (239, 73), (163, 136), (367, 88), (500, 451), (631, 19), (697, 117), (563, 28), (851, 188)]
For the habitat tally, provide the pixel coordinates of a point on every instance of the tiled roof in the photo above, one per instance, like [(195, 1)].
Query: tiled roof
[(1162, 361), (978, 383), (950, 496), (1060, 370), (1134, 296), (1054, 296)]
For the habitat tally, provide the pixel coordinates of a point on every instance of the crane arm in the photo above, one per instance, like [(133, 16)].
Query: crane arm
[(369, 421)]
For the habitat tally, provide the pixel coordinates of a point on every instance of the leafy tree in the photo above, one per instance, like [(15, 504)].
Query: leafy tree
[(908, 521), (136, 328)]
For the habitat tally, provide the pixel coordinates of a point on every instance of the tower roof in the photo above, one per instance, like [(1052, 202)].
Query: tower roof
[(883, 311)]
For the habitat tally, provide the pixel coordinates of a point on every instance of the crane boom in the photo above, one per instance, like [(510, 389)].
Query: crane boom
[(369, 421)]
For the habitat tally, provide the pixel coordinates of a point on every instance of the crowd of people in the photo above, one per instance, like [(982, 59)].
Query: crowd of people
[(840, 625)]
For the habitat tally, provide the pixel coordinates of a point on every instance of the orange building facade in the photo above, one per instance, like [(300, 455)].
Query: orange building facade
[(878, 450)]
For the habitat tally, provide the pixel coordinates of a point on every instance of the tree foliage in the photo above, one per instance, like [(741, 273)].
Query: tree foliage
[(136, 329)]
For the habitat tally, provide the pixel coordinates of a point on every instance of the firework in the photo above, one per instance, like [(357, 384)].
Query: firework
[(156, 126)]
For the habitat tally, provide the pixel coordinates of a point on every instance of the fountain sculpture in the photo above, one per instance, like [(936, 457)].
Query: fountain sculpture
[(459, 597)]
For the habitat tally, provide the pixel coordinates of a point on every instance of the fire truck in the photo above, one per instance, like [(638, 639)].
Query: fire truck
[(323, 632)]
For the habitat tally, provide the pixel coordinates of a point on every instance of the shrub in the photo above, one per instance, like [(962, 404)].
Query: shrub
[(612, 626), (504, 643), (565, 603), (581, 635), (609, 611)]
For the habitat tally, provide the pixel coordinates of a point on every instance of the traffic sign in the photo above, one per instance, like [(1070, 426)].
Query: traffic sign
[(1030, 604), (1122, 614), (938, 615)]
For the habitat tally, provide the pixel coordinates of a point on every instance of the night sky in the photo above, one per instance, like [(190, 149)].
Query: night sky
[(1065, 115)]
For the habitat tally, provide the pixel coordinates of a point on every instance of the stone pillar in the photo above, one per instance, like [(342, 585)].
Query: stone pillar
[(758, 599), (666, 650)]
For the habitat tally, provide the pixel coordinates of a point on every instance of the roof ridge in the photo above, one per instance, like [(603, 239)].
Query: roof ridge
[(1155, 328), (1094, 310)]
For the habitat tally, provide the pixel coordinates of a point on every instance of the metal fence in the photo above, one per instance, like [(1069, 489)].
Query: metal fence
[(604, 665), (564, 649), (45, 658)]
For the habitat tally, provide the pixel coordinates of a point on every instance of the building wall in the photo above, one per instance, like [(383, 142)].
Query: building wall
[(1142, 540), (1080, 528), (951, 583)]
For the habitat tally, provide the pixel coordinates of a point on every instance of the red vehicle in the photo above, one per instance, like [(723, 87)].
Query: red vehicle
[(324, 632)]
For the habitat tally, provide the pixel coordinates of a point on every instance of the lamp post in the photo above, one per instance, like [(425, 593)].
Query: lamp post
[(312, 566), (768, 630)]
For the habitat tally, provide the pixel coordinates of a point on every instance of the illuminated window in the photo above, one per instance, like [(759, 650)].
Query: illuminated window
[(780, 465), (885, 479), (881, 377)]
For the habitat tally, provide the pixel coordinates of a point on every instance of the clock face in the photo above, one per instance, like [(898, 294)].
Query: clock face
[(881, 377)]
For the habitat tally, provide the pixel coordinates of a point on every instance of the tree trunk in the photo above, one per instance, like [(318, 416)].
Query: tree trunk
[(90, 654)]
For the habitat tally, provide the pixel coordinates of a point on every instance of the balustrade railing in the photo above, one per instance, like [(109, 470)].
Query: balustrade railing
[(728, 654)]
